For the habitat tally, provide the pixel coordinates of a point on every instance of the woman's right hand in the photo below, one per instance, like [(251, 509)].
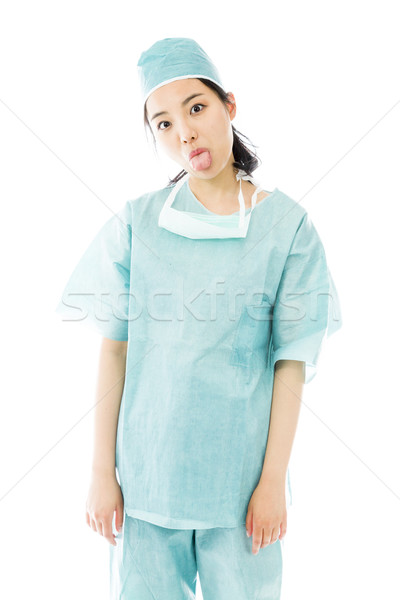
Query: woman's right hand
[(103, 499)]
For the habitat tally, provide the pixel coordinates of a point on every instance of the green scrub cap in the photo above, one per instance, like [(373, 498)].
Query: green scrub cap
[(171, 59)]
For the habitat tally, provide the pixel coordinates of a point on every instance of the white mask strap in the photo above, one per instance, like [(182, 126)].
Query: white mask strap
[(241, 174), (242, 205)]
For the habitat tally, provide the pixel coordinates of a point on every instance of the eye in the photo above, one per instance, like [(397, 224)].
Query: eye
[(160, 123), (194, 105)]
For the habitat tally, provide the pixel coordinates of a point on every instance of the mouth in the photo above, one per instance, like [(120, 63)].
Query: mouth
[(198, 151)]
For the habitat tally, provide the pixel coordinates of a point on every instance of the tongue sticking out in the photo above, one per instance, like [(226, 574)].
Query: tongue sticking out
[(201, 161)]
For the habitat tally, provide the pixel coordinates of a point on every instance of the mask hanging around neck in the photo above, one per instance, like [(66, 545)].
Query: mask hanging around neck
[(199, 226)]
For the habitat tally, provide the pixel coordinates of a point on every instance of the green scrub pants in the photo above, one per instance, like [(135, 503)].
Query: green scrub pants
[(151, 562)]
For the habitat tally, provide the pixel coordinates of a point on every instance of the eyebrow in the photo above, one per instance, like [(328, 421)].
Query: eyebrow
[(188, 99)]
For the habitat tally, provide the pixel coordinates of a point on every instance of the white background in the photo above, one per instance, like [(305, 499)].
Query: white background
[(317, 91)]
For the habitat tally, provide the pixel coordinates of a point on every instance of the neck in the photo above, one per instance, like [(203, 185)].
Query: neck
[(220, 192)]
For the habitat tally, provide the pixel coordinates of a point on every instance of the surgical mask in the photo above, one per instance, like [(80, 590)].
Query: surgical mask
[(199, 226)]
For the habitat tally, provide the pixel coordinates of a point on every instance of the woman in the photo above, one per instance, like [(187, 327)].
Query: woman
[(213, 298)]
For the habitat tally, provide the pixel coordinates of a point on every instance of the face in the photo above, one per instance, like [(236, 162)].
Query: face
[(187, 123)]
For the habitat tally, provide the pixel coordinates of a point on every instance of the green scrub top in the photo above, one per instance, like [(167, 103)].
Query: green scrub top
[(205, 320)]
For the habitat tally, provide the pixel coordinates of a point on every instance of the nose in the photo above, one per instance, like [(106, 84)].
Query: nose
[(187, 133), (188, 138)]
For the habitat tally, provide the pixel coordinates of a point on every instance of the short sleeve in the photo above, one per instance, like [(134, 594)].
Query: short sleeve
[(307, 308), (97, 292)]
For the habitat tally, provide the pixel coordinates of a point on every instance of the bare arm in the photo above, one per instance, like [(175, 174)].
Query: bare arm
[(266, 518), (286, 401), (105, 496), (110, 385)]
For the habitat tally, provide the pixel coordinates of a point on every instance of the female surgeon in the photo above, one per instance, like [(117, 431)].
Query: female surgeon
[(213, 298)]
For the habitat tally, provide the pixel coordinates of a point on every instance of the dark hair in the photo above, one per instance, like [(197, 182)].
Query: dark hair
[(244, 158)]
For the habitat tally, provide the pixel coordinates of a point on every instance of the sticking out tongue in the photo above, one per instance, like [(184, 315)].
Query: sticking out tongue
[(201, 161)]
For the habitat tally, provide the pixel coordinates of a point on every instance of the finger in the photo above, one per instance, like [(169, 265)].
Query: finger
[(274, 535), (108, 532), (119, 517), (93, 524), (248, 524), (87, 518), (97, 525), (283, 529), (282, 533), (257, 535), (266, 537)]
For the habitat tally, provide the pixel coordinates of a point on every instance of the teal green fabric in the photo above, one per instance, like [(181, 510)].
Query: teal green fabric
[(205, 320), (171, 59), (156, 563)]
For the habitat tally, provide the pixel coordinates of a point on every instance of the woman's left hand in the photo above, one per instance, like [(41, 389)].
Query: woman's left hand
[(266, 514)]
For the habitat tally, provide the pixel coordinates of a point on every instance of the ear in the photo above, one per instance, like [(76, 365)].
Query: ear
[(231, 106)]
